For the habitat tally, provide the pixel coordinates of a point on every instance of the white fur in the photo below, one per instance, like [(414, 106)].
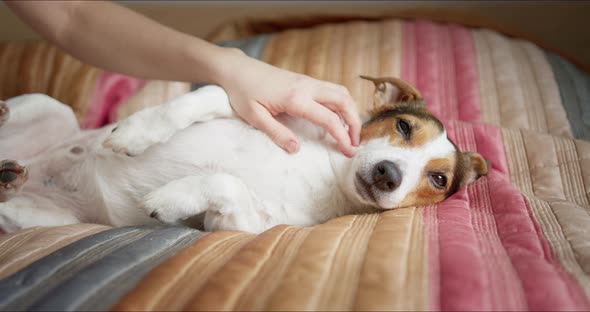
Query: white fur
[(411, 162), (184, 166)]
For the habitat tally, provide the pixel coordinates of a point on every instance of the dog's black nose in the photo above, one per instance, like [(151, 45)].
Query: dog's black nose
[(387, 176)]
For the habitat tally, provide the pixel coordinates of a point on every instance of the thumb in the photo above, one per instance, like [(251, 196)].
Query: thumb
[(281, 135)]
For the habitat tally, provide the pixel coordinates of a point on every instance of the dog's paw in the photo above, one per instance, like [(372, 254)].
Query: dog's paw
[(169, 207), (4, 113), (137, 133), (7, 225), (12, 177)]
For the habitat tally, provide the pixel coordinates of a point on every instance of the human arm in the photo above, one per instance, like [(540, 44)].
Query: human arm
[(117, 39)]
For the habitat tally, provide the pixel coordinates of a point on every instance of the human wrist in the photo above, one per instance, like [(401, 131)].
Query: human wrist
[(217, 64)]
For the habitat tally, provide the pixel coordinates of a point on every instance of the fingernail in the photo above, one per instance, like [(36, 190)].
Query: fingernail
[(292, 147), (351, 152)]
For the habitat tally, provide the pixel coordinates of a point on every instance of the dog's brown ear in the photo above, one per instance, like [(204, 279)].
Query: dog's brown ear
[(475, 167), (391, 92)]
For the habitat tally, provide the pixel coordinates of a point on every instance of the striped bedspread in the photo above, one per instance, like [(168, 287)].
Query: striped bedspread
[(514, 240), (97, 97)]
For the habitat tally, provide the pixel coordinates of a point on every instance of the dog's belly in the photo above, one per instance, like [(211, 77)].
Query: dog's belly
[(293, 188)]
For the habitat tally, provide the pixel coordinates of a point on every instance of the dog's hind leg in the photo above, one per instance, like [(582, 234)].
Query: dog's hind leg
[(25, 211), (228, 203), (32, 123)]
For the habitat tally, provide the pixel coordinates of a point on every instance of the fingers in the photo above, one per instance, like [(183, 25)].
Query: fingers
[(337, 98), (330, 121), (261, 119)]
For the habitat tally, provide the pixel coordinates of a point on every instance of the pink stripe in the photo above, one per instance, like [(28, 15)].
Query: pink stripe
[(112, 90), (467, 75), (466, 272), (440, 61), (491, 247), (486, 249)]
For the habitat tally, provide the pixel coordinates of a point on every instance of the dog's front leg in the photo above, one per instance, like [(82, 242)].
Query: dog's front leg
[(228, 203), (157, 124)]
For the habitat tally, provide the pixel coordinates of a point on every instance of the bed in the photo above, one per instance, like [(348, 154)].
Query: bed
[(514, 240)]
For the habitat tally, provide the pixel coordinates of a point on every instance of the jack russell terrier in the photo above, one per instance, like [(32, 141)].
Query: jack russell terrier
[(193, 156)]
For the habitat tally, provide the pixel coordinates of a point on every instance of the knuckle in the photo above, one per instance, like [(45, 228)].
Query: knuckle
[(332, 122), (237, 51), (342, 89)]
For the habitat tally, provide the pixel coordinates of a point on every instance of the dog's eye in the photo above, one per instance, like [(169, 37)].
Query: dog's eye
[(381, 87), (439, 180), (403, 126)]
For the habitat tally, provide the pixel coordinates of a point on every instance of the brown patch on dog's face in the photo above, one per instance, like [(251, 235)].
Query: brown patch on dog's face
[(435, 184), (404, 129), (403, 139)]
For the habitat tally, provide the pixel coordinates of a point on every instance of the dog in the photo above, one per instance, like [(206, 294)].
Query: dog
[(193, 158)]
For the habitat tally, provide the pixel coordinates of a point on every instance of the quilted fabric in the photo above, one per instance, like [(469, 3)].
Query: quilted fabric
[(514, 240), (96, 96)]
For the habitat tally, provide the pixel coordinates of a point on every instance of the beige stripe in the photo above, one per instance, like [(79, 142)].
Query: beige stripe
[(301, 50), (549, 172), (571, 172), (38, 67), (50, 53), (317, 53), (517, 86), (508, 85), (390, 48), (564, 225), (342, 281), (335, 52), (10, 64), (534, 104), (268, 55), (256, 295), (173, 283), (517, 160), (24, 247), (284, 53), (490, 107), (308, 273), (583, 150), (543, 165), (223, 288), (553, 110), (340, 53), (395, 273)]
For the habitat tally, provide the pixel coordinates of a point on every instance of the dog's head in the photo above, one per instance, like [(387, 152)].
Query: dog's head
[(405, 157)]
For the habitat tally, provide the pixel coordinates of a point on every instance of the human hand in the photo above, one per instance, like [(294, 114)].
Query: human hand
[(259, 91)]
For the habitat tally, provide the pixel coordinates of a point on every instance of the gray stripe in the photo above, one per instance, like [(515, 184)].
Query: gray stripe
[(574, 88), (40, 277), (102, 284), (253, 47)]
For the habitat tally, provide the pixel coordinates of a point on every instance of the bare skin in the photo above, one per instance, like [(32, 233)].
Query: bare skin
[(117, 39)]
